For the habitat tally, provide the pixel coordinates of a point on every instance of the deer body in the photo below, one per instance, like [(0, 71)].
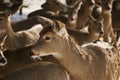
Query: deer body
[(107, 20), (15, 60), (39, 71), (89, 62), (27, 38)]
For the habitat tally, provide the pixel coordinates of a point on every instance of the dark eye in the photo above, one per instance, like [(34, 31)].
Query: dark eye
[(47, 38)]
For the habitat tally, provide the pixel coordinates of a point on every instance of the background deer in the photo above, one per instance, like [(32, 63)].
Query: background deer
[(39, 71), (14, 40), (67, 15), (95, 30), (3, 36), (116, 19), (90, 60), (84, 13), (107, 23)]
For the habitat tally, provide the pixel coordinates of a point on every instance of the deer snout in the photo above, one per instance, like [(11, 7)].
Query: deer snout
[(101, 32), (1, 20), (3, 61)]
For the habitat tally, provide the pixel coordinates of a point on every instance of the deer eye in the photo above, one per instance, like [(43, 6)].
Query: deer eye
[(47, 38)]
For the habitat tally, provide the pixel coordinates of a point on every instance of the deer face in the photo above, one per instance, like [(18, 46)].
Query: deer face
[(51, 38), (95, 26)]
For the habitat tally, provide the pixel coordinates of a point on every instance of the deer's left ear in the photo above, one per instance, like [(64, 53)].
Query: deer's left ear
[(60, 29)]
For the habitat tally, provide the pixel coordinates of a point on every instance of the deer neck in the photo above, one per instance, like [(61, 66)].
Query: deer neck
[(92, 36), (11, 35), (10, 30), (74, 59)]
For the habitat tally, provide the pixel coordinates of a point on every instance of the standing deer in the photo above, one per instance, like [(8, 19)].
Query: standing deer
[(3, 35), (14, 40), (95, 30), (88, 62), (107, 20), (67, 15), (84, 13), (19, 58), (116, 19), (39, 71)]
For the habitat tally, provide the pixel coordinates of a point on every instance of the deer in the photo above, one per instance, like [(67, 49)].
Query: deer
[(87, 62), (4, 31), (19, 58), (95, 30), (107, 23), (49, 8), (39, 71), (115, 19), (13, 40), (3, 35), (68, 15)]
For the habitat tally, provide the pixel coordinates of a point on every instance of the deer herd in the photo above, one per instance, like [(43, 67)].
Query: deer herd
[(65, 40)]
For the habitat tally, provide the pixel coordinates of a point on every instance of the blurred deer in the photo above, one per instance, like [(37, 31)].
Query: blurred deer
[(14, 40), (107, 20), (84, 13), (3, 30), (95, 30), (67, 15), (116, 19)]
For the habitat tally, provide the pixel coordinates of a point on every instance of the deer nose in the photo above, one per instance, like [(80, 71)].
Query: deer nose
[(1, 19), (3, 61), (44, 5), (101, 32)]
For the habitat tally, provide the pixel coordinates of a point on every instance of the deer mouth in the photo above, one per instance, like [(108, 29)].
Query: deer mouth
[(38, 56)]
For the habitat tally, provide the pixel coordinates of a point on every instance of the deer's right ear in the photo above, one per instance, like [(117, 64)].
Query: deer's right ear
[(78, 4)]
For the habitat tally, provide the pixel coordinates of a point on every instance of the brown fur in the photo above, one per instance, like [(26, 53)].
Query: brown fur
[(15, 60), (14, 40), (95, 30), (107, 23), (84, 13), (116, 20), (91, 62), (67, 15), (39, 71)]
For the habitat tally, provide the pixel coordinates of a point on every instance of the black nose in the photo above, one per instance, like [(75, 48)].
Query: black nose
[(44, 5), (3, 60), (101, 32), (1, 19)]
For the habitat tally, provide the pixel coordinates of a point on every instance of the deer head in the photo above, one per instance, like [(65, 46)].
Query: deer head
[(50, 37), (95, 26)]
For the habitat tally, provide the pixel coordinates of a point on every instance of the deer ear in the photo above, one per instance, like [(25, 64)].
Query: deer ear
[(91, 18), (61, 29), (78, 4)]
